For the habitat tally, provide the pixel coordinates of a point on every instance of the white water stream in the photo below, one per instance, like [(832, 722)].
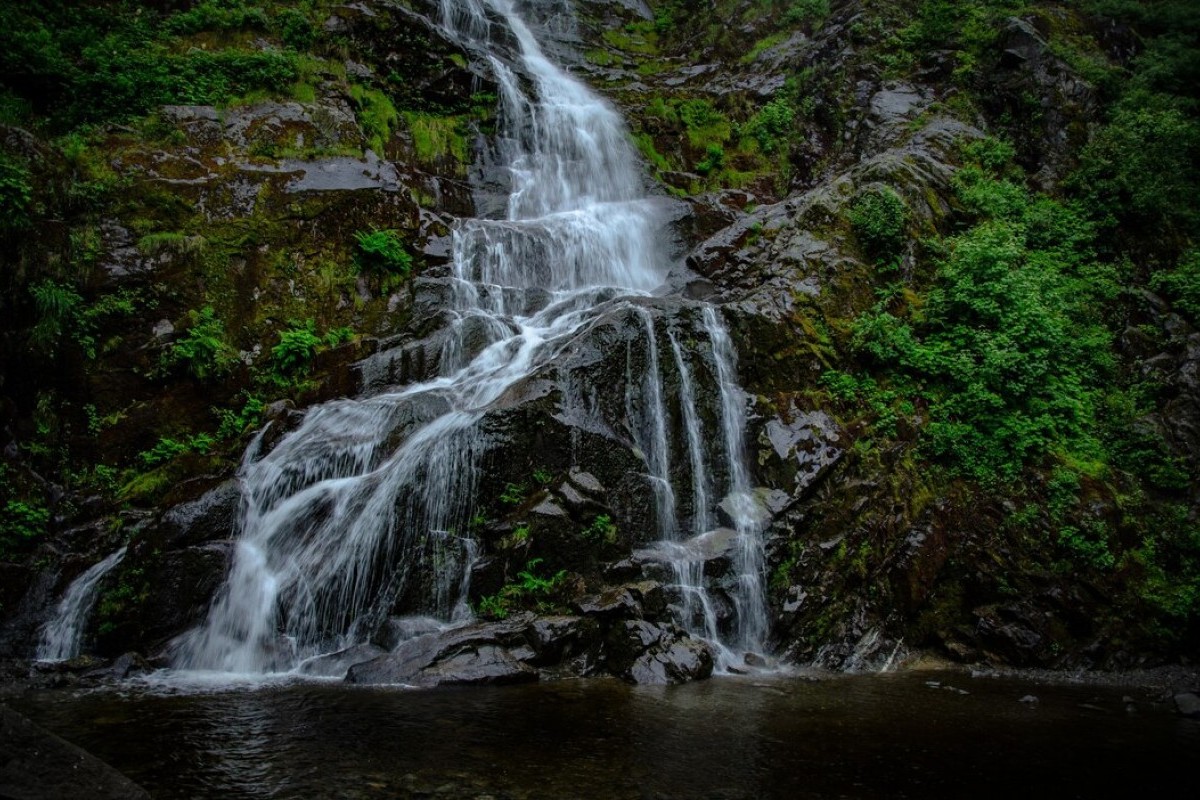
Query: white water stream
[(363, 500), (62, 636)]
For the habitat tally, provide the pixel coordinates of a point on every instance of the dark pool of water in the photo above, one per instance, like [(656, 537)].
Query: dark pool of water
[(869, 736)]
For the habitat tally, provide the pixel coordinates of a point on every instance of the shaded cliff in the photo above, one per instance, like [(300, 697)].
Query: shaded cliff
[(953, 248)]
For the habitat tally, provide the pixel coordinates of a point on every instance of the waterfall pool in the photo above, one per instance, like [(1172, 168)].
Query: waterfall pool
[(913, 734)]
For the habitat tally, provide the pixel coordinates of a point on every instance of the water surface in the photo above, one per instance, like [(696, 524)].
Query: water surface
[(853, 736)]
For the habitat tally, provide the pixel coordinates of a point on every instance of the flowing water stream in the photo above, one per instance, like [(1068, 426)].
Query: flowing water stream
[(343, 514), (62, 636)]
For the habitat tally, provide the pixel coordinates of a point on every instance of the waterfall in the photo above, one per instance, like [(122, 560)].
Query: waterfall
[(368, 499), (62, 636), (749, 598)]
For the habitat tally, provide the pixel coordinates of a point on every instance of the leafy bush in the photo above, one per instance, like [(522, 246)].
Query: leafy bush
[(714, 159), (58, 307), (297, 348), (879, 217), (530, 590), (234, 424), (167, 449), (771, 125), (602, 529), (82, 63), (514, 494), (1142, 170), (1182, 285), (805, 12), (295, 29), (1009, 345), (382, 251), (21, 523), (202, 350), (15, 195)]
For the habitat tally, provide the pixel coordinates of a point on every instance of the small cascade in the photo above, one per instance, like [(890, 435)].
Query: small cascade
[(366, 505), (749, 599), (62, 637), (647, 411)]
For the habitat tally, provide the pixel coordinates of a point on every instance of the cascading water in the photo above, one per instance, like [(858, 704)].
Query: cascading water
[(363, 500), (62, 636)]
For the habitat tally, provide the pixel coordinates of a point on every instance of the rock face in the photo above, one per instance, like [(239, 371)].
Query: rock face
[(526, 647), (253, 209), (36, 764)]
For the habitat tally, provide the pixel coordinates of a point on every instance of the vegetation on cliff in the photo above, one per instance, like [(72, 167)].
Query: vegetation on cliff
[(1027, 348)]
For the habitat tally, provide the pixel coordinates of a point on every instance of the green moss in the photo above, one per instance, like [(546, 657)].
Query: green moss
[(376, 116), (436, 137), (762, 45)]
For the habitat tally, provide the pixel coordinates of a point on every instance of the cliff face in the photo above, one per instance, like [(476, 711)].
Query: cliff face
[(973, 368)]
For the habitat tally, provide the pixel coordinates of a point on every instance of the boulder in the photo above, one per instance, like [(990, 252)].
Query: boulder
[(36, 764), (644, 653), (336, 665)]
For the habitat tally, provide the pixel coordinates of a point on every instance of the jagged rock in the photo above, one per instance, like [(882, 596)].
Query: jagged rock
[(798, 449), (644, 653), (335, 665), (477, 654), (212, 516), (612, 603)]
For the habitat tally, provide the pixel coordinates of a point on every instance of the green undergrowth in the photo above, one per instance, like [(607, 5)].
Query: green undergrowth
[(531, 591)]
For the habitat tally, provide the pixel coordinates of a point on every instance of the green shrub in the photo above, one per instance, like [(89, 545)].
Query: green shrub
[(217, 15), (382, 251), (168, 449), (1010, 345), (58, 307), (513, 494), (602, 529), (531, 590), (713, 161), (297, 348), (806, 12), (22, 522), (772, 125), (1142, 170), (1181, 285), (234, 424), (16, 194), (202, 350), (879, 218), (295, 29)]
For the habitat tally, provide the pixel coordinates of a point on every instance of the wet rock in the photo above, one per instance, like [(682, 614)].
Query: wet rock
[(798, 449), (36, 764), (1187, 704), (1029, 698), (644, 653), (122, 667), (400, 629), (554, 639), (549, 508), (178, 586), (611, 603), (335, 665), (586, 482), (212, 516), (475, 654), (1016, 633)]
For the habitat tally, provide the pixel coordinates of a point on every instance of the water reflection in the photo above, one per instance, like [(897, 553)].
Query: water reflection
[(882, 736)]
